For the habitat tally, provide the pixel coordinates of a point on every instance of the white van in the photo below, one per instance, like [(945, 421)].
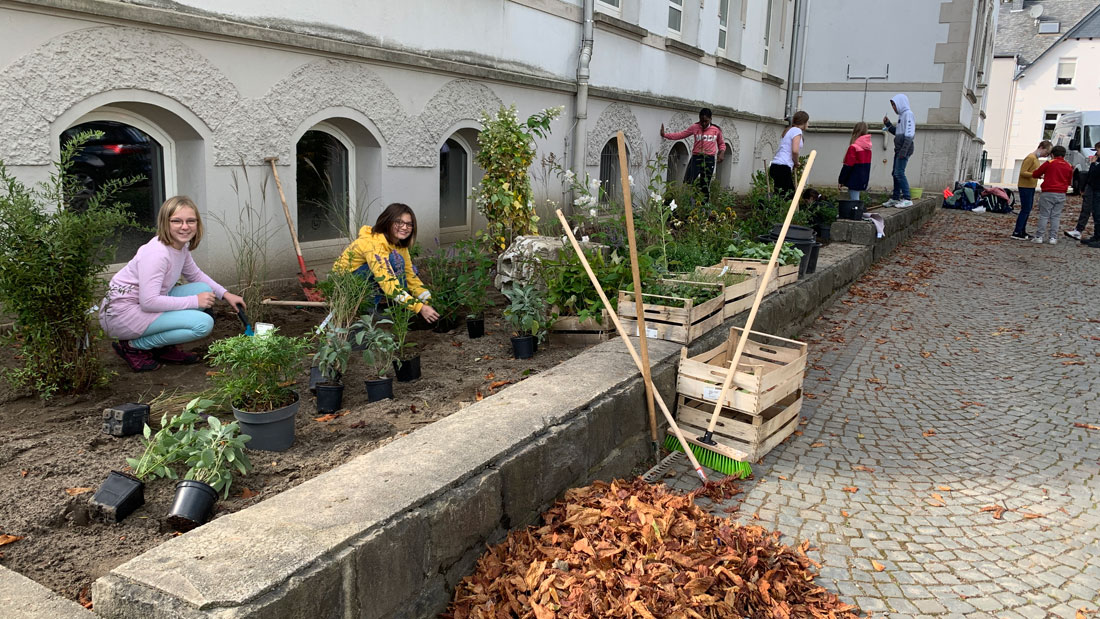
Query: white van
[(1078, 132)]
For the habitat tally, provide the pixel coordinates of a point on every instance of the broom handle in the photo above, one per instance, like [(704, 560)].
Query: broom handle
[(642, 345), (286, 211), (760, 289), (630, 347)]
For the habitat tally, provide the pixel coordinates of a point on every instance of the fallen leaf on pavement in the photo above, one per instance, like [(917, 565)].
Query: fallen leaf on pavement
[(1065, 355), (85, 598), (456, 343), (929, 433), (925, 354), (860, 467), (843, 513), (997, 510), (490, 376), (248, 494), (878, 566), (1087, 426), (850, 489), (330, 416), (478, 396), (944, 488), (498, 384), (817, 444), (1029, 515), (76, 491), (6, 539)]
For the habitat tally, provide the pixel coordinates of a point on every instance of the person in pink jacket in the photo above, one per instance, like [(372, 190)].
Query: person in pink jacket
[(145, 309), (708, 150)]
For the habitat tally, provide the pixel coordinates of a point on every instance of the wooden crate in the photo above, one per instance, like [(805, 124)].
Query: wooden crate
[(676, 324), (784, 275), (740, 436), (738, 296), (572, 331), (770, 369)]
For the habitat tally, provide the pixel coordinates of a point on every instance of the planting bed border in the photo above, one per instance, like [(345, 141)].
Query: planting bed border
[(389, 533)]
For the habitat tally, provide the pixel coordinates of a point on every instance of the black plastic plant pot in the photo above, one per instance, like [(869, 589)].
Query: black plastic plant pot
[(850, 209), (125, 419), (379, 389), (811, 264), (475, 327), (824, 232), (316, 377), (330, 396), (118, 496), (524, 346), (408, 370), (192, 506), (443, 325), (272, 430), (794, 233)]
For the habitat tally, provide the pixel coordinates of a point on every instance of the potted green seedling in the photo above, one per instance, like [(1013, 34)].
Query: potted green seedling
[(527, 315), (406, 365), (216, 451), (443, 273), (256, 375), (347, 296), (331, 361), (474, 280), (379, 353), (122, 493)]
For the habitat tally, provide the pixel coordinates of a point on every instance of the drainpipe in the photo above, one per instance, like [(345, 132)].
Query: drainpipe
[(796, 44), (581, 115), (802, 47)]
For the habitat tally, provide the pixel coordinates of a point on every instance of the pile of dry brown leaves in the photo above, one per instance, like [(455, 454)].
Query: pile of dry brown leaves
[(631, 549)]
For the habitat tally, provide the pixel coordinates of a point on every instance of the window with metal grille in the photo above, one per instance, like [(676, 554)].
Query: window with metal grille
[(609, 172)]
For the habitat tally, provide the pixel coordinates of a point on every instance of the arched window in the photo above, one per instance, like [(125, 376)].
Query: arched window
[(678, 159), (127, 147), (324, 197), (454, 185), (609, 171), (724, 173)]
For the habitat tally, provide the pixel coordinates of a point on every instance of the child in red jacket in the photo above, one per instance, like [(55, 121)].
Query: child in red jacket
[(1057, 175)]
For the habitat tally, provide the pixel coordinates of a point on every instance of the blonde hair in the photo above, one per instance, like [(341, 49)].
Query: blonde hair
[(859, 131), (170, 207)]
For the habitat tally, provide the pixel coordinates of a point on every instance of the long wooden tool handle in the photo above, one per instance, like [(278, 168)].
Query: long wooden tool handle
[(630, 347), (286, 210), (646, 372), (760, 290)]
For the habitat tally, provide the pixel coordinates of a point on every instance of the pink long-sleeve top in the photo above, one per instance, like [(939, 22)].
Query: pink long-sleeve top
[(707, 141), (138, 294)]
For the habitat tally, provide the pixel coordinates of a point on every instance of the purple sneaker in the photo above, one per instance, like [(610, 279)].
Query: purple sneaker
[(138, 360), (175, 354)]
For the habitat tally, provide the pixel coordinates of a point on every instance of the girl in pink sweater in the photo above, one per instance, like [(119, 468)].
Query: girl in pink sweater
[(144, 308)]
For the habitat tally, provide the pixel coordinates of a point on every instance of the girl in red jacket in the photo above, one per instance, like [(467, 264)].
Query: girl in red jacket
[(856, 171)]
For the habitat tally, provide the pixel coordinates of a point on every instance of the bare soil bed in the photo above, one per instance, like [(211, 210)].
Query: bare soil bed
[(53, 455)]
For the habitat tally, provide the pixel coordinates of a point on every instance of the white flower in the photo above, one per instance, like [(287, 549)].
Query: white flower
[(594, 185), (592, 212), (672, 206), (656, 196), (584, 239), (569, 176), (630, 179)]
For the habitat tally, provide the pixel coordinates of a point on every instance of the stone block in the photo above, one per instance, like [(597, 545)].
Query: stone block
[(463, 518), (22, 598), (391, 565)]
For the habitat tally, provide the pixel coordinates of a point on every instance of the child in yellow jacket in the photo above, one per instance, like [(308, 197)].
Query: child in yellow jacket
[(382, 254)]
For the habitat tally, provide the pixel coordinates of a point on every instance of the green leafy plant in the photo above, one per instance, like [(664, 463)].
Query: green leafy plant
[(442, 270), (333, 353), (400, 316), (475, 278), (256, 373), (527, 312), (379, 346), (53, 249), (679, 290), (347, 295), (569, 291), (170, 444), (824, 212), (506, 151), (789, 254), (216, 451)]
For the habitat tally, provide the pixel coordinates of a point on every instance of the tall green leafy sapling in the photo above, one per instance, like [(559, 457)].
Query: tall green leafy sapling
[(379, 346), (218, 450), (527, 312), (333, 353), (474, 278)]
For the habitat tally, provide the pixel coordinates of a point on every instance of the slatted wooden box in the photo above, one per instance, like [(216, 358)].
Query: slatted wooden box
[(676, 319), (784, 275), (738, 296), (762, 405), (572, 331)]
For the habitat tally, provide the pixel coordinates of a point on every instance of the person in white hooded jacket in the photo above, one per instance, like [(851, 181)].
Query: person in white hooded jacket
[(904, 132)]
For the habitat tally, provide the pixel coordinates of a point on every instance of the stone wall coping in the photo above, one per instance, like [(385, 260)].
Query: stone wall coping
[(22, 598)]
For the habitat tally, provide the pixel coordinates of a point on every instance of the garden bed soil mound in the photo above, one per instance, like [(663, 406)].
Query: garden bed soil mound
[(54, 455)]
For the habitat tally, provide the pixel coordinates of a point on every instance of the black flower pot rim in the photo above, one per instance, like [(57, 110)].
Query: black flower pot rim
[(272, 416)]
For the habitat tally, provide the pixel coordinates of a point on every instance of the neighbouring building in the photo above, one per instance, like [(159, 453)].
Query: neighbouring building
[(1046, 63), (366, 103)]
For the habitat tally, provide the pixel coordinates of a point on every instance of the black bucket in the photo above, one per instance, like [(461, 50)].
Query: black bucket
[(794, 233), (475, 327), (379, 389), (524, 346), (805, 246), (330, 396), (811, 264), (408, 370), (192, 506), (850, 209)]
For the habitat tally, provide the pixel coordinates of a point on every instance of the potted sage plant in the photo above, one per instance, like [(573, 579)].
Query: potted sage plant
[(527, 314), (379, 353), (331, 361), (216, 451), (474, 281)]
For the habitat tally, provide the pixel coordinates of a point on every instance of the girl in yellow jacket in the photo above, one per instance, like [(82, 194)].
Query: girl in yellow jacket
[(382, 254)]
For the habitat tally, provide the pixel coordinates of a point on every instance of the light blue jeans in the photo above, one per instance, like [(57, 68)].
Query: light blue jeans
[(853, 194), (177, 326)]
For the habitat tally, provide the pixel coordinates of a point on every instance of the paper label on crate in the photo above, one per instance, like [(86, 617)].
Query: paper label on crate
[(725, 270), (650, 333), (711, 393)]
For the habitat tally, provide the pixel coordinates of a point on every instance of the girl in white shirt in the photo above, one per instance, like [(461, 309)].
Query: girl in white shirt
[(786, 158)]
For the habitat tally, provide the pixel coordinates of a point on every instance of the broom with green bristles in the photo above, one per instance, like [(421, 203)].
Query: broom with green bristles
[(705, 448)]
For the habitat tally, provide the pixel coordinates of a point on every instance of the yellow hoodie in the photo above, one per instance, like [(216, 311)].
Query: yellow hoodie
[(391, 266)]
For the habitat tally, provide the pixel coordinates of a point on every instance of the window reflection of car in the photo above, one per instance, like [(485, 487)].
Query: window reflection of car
[(121, 152)]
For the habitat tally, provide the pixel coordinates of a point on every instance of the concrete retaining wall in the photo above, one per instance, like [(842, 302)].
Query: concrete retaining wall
[(391, 532)]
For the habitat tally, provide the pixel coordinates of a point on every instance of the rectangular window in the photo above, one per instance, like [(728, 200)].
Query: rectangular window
[(767, 34), (1050, 119), (675, 16), (723, 23), (611, 7), (1066, 68)]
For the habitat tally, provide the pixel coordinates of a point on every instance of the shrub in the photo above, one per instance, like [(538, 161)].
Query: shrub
[(527, 312), (570, 291), (506, 151), (256, 373), (52, 252), (379, 346)]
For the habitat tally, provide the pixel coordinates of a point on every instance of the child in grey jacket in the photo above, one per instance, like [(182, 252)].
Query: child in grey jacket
[(904, 132)]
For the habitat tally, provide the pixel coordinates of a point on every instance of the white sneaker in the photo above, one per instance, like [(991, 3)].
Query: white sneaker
[(1038, 240), (890, 202), (904, 204), (1053, 241), (1073, 234)]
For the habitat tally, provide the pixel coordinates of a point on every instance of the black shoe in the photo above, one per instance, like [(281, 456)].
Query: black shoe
[(1022, 237), (1095, 243), (1085, 240)]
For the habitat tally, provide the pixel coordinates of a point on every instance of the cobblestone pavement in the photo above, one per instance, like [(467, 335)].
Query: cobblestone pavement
[(943, 388)]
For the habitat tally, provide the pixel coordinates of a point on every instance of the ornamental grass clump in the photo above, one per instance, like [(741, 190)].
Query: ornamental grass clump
[(55, 241), (257, 373)]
